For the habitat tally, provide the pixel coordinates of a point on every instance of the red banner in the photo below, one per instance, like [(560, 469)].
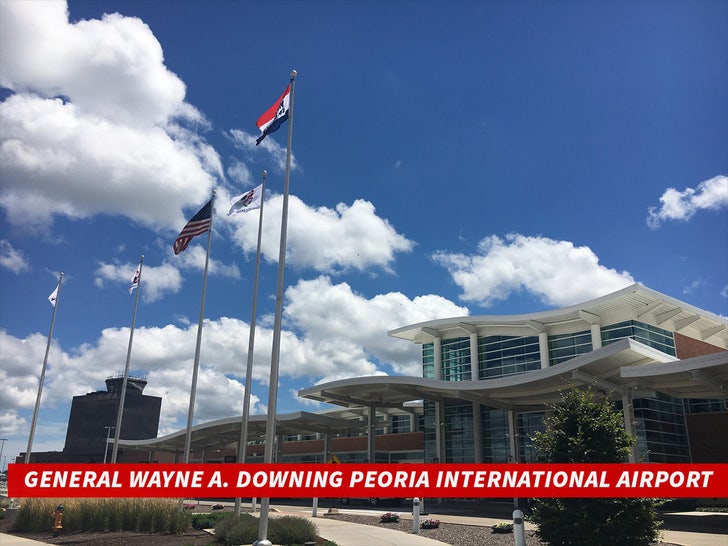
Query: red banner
[(368, 480)]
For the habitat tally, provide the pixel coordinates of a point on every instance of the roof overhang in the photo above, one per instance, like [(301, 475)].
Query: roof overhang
[(635, 302), (224, 433), (699, 377), (601, 369)]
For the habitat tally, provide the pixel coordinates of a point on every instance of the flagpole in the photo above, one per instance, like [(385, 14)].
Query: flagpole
[(243, 442), (270, 429), (43, 371), (122, 395), (196, 365)]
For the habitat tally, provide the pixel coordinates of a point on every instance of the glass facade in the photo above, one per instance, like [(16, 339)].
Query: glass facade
[(428, 413), (499, 356), (456, 359), (496, 447), (529, 423), (566, 346), (694, 405), (660, 422), (662, 435), (428, 360), (652, 336), (458, 429)]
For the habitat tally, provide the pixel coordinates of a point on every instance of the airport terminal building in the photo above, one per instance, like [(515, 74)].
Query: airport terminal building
[(488, 382)]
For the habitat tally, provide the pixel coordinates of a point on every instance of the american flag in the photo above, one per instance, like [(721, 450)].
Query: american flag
[(199, 224)]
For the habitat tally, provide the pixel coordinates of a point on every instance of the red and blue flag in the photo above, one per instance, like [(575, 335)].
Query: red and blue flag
[(275, 116)]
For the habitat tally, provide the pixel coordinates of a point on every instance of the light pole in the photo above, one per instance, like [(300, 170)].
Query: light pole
[(108, 433), (2, 447)]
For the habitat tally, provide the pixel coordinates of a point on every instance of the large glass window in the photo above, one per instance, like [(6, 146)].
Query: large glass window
[(499, 356), (528, 425), (652, 336), (428, 408), (456, 359), (698, 405), (496, 446), (661, 429), (567, 346), (400, 424), (458, 429), (428, 360)]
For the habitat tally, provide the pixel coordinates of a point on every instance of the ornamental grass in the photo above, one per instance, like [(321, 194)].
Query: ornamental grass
[(98, 515)]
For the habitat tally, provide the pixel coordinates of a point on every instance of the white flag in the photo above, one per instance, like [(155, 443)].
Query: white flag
[(247, 201), (135, 279), (54, 296)]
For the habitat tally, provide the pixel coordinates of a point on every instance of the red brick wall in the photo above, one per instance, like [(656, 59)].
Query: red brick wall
[(708, 434), (688, 347), (304, 446)]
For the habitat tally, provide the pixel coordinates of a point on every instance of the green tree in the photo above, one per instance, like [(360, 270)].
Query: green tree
[(586, 429)]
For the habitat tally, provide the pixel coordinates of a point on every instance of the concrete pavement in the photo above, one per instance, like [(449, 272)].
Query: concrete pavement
[(352, 534)]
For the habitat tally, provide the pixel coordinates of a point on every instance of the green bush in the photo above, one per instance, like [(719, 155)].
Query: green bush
[(208, 521), (503, 528), (584, 429), (243, 529), (291, 530)]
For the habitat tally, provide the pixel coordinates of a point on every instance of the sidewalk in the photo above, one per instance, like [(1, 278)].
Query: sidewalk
[(350, 534), (353, 534)]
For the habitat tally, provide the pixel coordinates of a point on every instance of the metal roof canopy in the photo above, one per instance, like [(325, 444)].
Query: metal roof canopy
[(635, 302), (603, 368), (698, 377), (224, 433)]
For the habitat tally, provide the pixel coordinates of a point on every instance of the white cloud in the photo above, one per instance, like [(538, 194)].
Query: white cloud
[(557, 272), (710, 194), (11, 423), (158, 281), (12, 259), (335, 334), (113, 143), (335, 317), (246, 142), (112, 68), (349, 237), (194, 258)]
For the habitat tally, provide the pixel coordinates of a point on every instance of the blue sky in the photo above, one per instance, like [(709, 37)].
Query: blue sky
[(450, 158)]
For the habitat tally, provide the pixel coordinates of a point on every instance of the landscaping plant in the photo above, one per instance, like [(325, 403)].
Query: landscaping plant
[(584, 429)]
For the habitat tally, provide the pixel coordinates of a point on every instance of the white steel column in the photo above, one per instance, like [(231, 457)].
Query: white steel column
[(594, 325), (543, 346), (628, 413), (327, 447), (596, 336), (437, 356), (512, 430), (371, 446), (439, 410), (474, 369)]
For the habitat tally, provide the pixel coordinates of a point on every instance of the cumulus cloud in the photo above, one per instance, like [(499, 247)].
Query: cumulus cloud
[(677, 205), (158, 280), (246, 142), (12, 259), (333, 333), (95, 118), (334, 316), (349, 237), (557, 272)]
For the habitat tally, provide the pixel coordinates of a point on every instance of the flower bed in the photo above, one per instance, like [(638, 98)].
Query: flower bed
[(389, 517), (503, 527), (429, 523)]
